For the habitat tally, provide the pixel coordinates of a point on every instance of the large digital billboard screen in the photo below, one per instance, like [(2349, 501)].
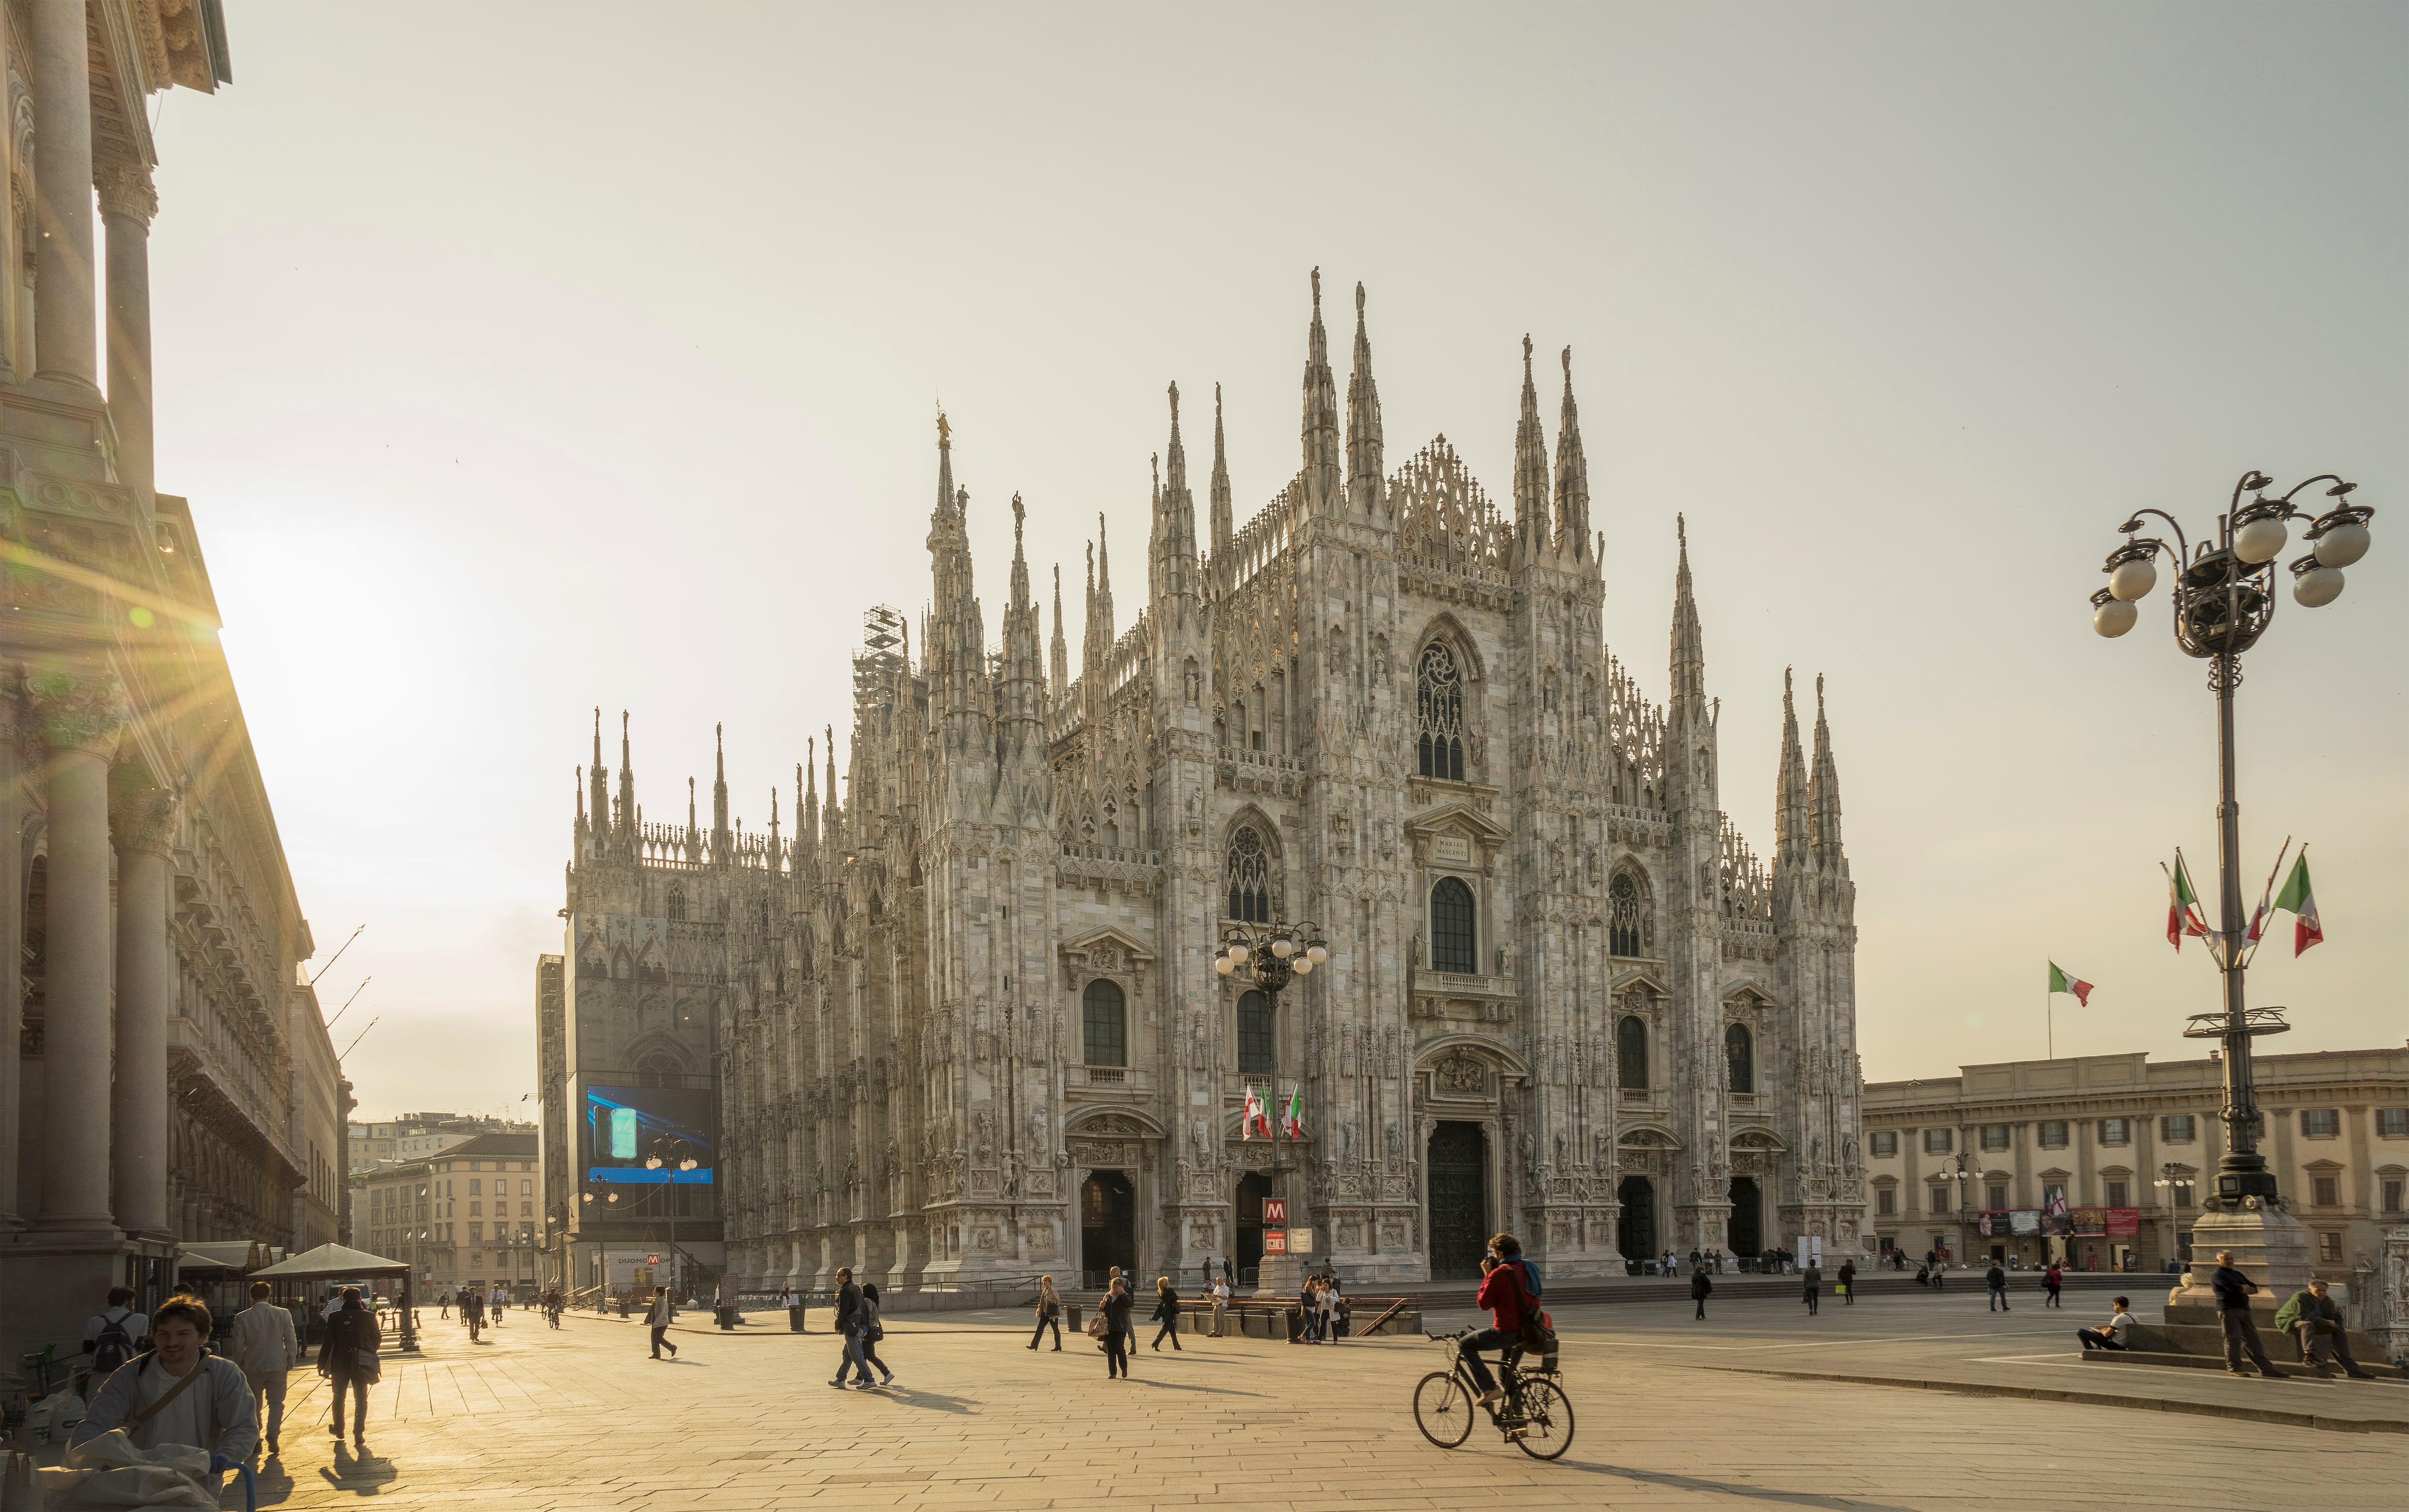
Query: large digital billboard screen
[(627, 1126)]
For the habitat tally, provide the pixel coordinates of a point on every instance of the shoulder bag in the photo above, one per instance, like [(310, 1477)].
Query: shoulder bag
[(200, 1368)]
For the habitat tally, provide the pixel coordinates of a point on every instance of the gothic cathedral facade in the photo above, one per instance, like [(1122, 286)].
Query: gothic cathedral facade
[(964, 1026)]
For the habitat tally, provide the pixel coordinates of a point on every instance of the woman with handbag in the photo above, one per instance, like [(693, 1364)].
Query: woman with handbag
[(1049, 1313), (1115, 1314), (867, 1320), (348, 1358)]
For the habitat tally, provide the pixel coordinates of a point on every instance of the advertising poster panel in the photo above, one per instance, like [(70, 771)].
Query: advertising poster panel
[(627, 1126)]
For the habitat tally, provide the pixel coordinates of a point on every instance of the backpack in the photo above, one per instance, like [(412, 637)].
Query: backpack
[(114, 1346), (1538, 1328)]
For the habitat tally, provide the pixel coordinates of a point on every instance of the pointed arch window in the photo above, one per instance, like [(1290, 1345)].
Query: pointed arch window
[(1453, 943), (1739, 1057), (1439, 713), (1631, 1054), (1625, 931), (1248, 871), (1255, 1026), (1104, 1023), (677, 903)]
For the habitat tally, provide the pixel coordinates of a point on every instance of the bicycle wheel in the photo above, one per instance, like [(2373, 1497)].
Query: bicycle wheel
[(1546, 1420), (1443, 1409)]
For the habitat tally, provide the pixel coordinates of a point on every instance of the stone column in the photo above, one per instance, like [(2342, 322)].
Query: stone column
[(127, 203), (80, 711), (146, 996), (62, 274)]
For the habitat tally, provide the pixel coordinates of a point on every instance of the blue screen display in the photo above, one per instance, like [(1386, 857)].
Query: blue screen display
[(627, 1127)]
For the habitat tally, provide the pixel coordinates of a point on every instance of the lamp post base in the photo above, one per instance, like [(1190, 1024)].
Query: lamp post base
[(2269, 1245)]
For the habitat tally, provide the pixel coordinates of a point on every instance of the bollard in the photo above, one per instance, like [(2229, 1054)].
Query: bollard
[(795, 1320)]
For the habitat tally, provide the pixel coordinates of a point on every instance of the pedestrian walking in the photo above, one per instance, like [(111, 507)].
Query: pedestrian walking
[(2317, 1321), (2052, 1281), (265, 1346), (1701, 1285), (848, 1309), (472, 1311), (348, 1359), (1326, 1303), (1221, 1303), (177, 1393), (109, 1338), (1995, 1281), (1814, 1293), (868, 1322), (1049, 1313), (500, 1299), (443, 1305), (1665, 1266), (1849, 1282), (2113, 1334), (1116, 1308), (1166, 1312), (657, 1318), (1939, 1273), (2233, 1291)]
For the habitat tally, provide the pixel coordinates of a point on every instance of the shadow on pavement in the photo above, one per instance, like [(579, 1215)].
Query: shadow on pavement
[(356, 1470), (933, 1401), (1726, 1488)]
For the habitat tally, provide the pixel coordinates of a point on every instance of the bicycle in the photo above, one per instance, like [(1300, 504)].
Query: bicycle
[(1536, 1416)]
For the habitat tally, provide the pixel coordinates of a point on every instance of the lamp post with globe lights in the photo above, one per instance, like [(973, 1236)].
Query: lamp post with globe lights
[(2224, 593), (1271, 955)]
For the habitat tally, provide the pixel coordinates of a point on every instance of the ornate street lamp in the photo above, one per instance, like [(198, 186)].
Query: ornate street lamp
[(2224, 600), (1272, 954)]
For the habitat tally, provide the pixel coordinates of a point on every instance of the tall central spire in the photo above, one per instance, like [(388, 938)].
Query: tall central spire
[(1321, 413), (1572, 476), (1364, 450), (1058, 653), (1790, 821), (1172, 553), (601, 780), (1689, 642), (1221, 521), (719, 832), (1824, 791), (1530, 466)]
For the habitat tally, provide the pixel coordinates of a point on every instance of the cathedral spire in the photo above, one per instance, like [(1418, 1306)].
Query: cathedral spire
[(1689, 643), (627, 822), (1221, 521), (1530, 466), (1823, 790), (1024, 665), (831, 818), (600, 778), (1059, 655), (1364, 450), (719, 832), (774, 831), (807, 812), (1572, 476), (1097, 647), (1321, 429), (1790, 827), (1172, 553)]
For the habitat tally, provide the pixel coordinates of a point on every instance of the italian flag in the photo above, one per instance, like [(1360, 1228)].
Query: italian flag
[(1293, 1121), (2062, 980), (2183, 906), (1253, 1120), (2302, 904)]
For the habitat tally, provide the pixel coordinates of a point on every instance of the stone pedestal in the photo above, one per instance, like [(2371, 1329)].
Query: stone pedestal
[(1279, 1275), (2271, 1247)]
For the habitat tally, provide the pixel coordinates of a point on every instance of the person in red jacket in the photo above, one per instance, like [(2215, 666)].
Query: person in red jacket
[(1502, 1292)]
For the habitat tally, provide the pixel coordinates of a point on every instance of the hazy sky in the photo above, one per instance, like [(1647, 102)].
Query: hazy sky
[(523, 358)]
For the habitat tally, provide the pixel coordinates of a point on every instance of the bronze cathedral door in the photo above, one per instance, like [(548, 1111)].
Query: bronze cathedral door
[(1459, 1200)]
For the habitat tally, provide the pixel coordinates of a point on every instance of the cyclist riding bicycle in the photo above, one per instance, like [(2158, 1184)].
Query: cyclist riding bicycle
[(1508, 1286)]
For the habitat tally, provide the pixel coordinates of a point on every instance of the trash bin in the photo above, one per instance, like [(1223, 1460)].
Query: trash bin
[(1071, 1317), (1295, 1323), (795, 1319), (726, 1318)]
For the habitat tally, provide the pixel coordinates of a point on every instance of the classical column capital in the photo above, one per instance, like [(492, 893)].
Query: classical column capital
[(77, 709), (143, 819), (125, 190)]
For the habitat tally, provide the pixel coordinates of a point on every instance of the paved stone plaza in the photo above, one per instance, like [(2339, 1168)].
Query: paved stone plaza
[(580, 1418)]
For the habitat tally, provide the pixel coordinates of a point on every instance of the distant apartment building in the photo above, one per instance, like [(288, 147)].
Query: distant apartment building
[(418, 1135), (2099, 1160), (468, 1216)]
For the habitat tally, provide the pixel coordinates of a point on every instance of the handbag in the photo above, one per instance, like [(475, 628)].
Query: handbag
[(1097, 1327)]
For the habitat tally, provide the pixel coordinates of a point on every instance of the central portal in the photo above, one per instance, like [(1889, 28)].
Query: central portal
[(1459, 1200), (1107, 1227), (1252, 1188), (1747, 1218)]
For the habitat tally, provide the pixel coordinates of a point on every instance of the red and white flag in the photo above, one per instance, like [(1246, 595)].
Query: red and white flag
[(2182, 905), (2302, 904)]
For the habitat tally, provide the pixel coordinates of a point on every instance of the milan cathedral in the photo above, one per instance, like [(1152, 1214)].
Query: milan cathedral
[(964, 1027)]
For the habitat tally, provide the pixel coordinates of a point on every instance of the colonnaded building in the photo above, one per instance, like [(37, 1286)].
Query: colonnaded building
[(964, 1026)]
